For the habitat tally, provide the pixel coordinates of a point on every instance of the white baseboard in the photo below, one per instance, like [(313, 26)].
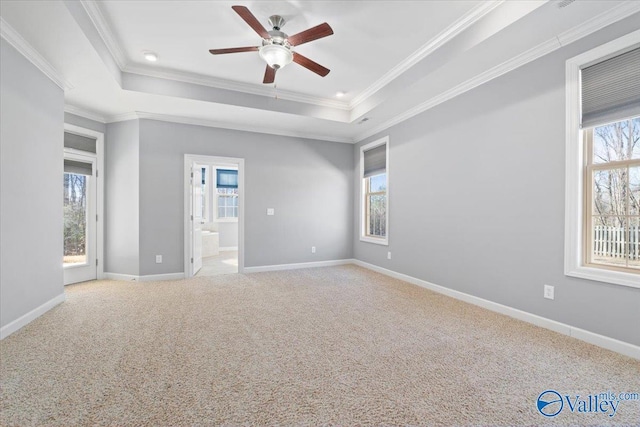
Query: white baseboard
[(122, 277), (228, 248), (612, 344), (279, 267), (157, 277), (146, 278), (21, 321)]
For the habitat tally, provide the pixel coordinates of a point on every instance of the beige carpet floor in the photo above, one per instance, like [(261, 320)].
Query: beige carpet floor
[(323, 346)]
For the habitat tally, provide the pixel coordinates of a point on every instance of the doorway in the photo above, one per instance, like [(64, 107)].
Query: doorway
[(214, 215), (82, 205)]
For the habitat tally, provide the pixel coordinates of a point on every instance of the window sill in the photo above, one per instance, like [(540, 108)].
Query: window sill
[(74, 265), (377, 241), (607, 276), (226, 220)]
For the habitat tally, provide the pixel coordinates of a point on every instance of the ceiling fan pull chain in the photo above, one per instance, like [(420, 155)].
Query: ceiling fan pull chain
[(275, 86)]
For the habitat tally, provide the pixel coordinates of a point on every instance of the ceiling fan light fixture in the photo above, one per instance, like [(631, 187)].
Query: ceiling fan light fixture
[(276, 55), (150, 56)]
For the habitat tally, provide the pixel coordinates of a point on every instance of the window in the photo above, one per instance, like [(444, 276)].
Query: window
[(612, 202), (227, 194), (602, 223), (375, 192)]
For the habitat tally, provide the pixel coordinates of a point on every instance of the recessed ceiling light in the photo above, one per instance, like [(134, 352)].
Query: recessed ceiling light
[(340, 94), (150, 56)]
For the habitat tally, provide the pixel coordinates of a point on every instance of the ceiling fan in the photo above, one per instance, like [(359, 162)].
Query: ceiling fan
[(276, 47)]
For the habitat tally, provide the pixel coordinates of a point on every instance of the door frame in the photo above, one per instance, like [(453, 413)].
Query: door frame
[(99, 177), (190, 159)]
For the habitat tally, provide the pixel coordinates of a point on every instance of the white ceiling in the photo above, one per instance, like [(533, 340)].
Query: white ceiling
[(369, 38), (392, 58)]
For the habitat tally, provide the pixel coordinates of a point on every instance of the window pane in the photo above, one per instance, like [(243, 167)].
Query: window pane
[(75, 218), (378, 183), (220, 212), (609, 192), (617, 141), (377, 215), (634, 190), (609, 241)]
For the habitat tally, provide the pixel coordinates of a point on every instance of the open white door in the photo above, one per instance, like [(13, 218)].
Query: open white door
[(195, 208), (196, 217)]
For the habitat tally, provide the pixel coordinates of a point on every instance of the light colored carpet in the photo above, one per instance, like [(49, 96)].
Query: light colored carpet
[(324, 346)]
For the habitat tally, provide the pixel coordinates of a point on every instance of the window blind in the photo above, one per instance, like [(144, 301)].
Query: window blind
[(78, 142), (226, 178), (611, 89), (375, 161), (78, 168)]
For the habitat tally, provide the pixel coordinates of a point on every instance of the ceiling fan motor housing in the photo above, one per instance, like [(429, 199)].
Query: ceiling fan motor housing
[(277, 37)]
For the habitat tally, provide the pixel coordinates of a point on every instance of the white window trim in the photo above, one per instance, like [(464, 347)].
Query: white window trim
[(363, 235), (99, 136), (574, 179)]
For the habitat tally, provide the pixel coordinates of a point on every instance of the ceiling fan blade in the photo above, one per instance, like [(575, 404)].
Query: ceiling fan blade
[(317, 32), (269, 75), (310, 65), (233, 50), (251, 20)]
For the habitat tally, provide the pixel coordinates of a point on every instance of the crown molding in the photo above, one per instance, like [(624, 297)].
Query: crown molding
[(132, 115), (615, 14), (224, 125), (609, 17), (428, 48), (81, 112), (490, 74), (104, 30), (218, 83), (12, 37)]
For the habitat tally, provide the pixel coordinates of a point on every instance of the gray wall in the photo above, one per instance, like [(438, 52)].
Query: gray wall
[(307, 182), (31, 158), (122, 198), (82, 122), (477, 199)]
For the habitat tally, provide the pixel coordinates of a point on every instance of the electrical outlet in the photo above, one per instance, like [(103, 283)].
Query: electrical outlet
[(313, 249), (158, 259), (548, 292), (271, 211), (388, 255)]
